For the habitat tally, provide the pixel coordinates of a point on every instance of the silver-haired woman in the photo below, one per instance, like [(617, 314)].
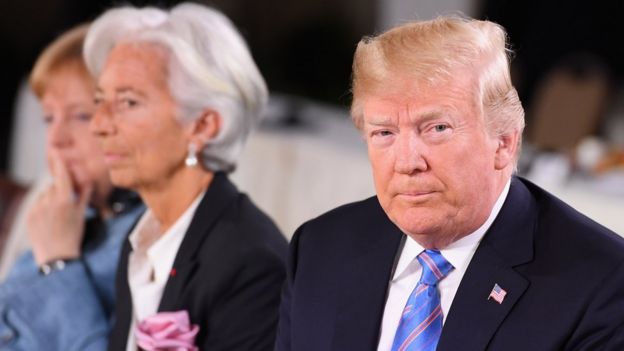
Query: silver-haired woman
[(177, 95)]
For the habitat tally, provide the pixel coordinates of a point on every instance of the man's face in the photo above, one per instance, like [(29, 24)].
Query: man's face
[(436, 169)]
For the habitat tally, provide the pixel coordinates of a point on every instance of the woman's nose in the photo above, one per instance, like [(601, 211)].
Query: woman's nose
[(101, 123), (59, 133)]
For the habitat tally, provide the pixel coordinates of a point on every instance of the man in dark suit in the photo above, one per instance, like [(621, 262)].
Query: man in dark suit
[(454, 252)]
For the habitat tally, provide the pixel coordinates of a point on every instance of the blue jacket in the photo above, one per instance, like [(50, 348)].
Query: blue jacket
[(68, 309)]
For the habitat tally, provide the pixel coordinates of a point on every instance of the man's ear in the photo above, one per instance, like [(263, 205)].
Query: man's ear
[(206, 127), (506, 150)]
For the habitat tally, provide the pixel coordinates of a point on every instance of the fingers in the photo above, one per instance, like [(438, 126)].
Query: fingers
[(84, 196), (61, 178), (68, 185)]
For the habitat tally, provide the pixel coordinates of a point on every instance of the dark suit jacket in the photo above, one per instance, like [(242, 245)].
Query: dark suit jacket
[(228, 274), (563, 273)]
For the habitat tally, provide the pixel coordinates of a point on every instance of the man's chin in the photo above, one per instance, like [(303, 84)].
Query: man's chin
[(422, 223)]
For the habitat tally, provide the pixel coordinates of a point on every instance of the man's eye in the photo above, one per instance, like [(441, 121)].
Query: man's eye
[(129, 102), (47, 119), (440, 127), (382, 133)]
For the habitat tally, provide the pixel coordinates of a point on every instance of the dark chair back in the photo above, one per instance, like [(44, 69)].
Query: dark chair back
[(11, 195)]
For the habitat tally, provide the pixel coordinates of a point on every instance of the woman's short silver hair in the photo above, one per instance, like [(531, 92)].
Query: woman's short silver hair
[(210, 66)]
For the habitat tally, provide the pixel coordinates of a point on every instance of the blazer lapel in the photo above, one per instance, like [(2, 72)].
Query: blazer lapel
[(218, 197), (474, 317), (366, 275), (123, 303)]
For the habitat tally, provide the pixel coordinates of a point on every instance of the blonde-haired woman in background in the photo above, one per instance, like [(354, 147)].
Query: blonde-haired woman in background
[(60, 295)]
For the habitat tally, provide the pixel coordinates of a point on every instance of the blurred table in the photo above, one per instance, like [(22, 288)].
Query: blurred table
[(297, 173)]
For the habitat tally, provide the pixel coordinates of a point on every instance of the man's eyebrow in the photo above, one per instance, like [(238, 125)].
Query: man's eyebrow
[(378, 118), (432, 115), (379, 121), (422, 117), (429, 116)]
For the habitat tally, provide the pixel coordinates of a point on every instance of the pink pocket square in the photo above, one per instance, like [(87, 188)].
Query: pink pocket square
[(167, 331)]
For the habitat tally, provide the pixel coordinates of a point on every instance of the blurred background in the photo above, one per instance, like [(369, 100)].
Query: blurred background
[(307, 157)]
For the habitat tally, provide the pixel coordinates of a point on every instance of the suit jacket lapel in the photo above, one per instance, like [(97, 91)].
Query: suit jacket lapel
[(474, 318), (366, 275), (218, 197), (123, 302)]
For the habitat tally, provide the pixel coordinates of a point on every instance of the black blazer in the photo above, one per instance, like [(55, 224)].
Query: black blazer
[(229, 272), (563, 273)]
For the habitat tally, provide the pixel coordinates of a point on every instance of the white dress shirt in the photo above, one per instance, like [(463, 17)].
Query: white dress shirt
[(408, 271), (150, 263)]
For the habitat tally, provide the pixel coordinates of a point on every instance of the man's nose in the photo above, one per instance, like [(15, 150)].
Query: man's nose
[(410, 154)]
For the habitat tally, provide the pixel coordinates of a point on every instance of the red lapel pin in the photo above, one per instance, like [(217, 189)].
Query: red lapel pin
[(173, 272)]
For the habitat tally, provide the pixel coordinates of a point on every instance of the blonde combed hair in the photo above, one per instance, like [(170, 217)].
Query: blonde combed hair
[(431, 52)]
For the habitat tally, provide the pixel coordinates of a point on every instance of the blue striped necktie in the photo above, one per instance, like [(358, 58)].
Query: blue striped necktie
[(421, 323)]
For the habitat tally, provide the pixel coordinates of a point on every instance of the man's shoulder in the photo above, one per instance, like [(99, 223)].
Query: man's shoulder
[(554, 250), (575, 232), (346, 227)]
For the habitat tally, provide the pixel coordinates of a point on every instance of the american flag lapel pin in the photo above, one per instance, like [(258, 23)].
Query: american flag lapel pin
[(498, 294)]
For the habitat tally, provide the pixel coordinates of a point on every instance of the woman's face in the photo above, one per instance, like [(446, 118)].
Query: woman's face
[(68, 107), (136, 121)]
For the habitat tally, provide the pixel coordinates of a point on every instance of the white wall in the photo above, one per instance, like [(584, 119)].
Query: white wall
[(27, 160)]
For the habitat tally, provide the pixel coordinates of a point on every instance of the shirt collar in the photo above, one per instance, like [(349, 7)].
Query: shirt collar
[(161, 250), (457, 252)]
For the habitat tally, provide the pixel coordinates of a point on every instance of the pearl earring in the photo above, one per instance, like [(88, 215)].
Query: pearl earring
[(191, 156)]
